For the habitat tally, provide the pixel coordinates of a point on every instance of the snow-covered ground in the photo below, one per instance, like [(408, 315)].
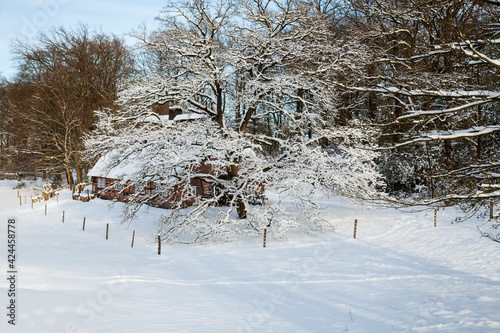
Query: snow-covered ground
[(401, 274)]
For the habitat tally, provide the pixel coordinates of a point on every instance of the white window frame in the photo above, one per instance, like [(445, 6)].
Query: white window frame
[(192, 191), (162, 188), (101, 182), (140, 188), (119, 187)]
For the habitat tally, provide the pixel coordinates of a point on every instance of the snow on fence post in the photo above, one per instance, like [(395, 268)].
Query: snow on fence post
[(159, 244), (435, 217), (133, 236), (265, 236), (107, 230), (84, 224), (355, 228)]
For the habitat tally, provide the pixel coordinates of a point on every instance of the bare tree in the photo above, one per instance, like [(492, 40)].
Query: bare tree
[(72, 72)]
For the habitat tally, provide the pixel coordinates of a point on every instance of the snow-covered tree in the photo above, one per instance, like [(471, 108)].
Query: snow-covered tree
[(254, 74)]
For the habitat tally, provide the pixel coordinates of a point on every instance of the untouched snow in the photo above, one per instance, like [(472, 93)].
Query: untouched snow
[(400, 275)]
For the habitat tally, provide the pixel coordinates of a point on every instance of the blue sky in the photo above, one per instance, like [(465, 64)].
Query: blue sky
[(25, 18)]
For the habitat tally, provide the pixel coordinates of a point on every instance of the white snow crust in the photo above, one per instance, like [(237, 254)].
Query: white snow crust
[(401, 274)]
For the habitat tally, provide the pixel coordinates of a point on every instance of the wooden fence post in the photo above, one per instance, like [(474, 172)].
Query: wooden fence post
[(355, 228), (45, 210), (20, 201), (63, 217), (107, 230), (159, 244), (491, 210), (435, 217), (265, 236), (84, 224), (133, 236)]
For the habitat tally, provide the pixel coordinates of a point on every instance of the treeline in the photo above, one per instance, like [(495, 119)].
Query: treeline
[(63, 77), (422, 75)]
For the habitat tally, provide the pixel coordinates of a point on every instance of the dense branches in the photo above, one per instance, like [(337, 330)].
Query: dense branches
[(433, 91)]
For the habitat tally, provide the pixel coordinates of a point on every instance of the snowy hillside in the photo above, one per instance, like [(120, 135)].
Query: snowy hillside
[(401, 274)]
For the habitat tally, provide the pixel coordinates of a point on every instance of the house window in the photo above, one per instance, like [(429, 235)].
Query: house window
[(140, 188), (191, 191), (101, 182), (162, 188), (119, 187)]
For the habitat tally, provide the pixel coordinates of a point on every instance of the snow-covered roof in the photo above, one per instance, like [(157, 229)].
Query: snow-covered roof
[(108, 167), (122, 170), (112, 164), (179, 117), (190, 116)]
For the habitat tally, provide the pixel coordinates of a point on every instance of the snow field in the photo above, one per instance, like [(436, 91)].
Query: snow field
[(400, 275)]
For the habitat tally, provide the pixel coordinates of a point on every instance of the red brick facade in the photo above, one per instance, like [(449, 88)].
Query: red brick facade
[(105, 188)]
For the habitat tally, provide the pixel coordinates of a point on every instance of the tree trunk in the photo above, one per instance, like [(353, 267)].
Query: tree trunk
[(246, 119), (69, 178), (219, 118), (479, 146), (79, 174), (241, 207)]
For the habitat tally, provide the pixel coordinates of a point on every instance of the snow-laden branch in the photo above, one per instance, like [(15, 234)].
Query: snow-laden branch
[(471, 51), (491, 98), (449, 135), (446, 94)]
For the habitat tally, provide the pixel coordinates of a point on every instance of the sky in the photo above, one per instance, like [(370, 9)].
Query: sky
[(24, 19)]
